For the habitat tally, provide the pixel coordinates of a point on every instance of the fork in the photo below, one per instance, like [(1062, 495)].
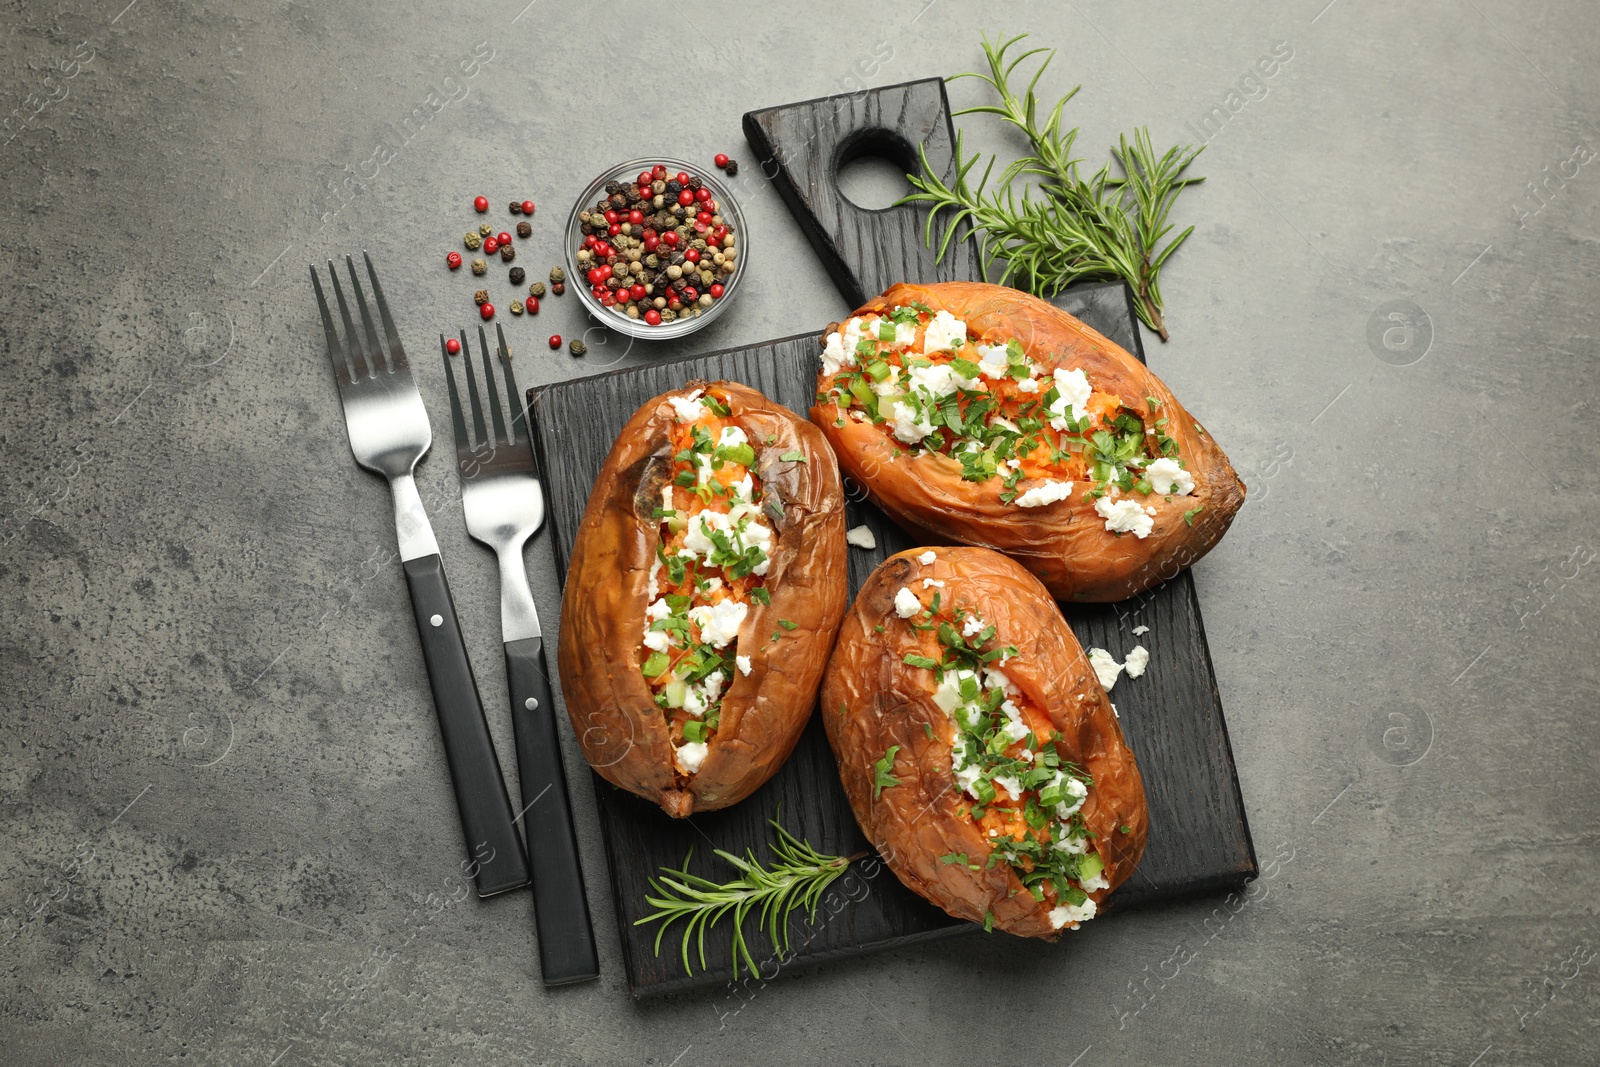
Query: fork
[(389, 433), (504, 506)]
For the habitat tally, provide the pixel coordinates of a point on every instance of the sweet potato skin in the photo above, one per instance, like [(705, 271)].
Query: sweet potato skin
[(872, 700), (1066, 543), (619, 727)]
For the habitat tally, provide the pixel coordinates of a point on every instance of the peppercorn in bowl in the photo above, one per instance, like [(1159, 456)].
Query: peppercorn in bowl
[(655, 248)]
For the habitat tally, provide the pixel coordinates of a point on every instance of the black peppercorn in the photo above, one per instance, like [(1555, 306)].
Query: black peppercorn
[(618, 200), (507, 253), (695, 183), (613, 188), (524, 229), (577, 347), (481, 297), (673, 188), (732, 168), (517, 275), (516, 207)]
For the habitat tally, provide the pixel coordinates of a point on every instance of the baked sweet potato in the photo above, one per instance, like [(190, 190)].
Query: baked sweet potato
[(981, 757), (979, 414), (706, 585)]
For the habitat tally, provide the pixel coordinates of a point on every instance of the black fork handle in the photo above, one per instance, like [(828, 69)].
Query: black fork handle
[(481, 799), (560, 905)]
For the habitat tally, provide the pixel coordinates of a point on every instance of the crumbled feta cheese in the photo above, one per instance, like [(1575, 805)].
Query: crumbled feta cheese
[(1047, 493), (1010, 783), (1076, 790), (932, 583), (713, 686), (743, 489), (1015, 730), (654, 589), (1098, 881), (999, 422), (702, 462), (694, 702), (719, 623), (905, 333), (732, 435), (657, 610), (840, 350), (966, 778), (688, 408), (973, 626), (1072, 914), (1166, 477), (1072, 846), (993, 360), (861, 537), (890, 385), (906, 603), (690, 755), (1072, 400), (1106, 668), (1139, 631), (1124, 516), (755, 534), (942, 332), (1027, 385), (927, 557), (1137, 661), (744, 664), (937, 381), (948, 696), (655, 640), (994, 678), (909, 426)]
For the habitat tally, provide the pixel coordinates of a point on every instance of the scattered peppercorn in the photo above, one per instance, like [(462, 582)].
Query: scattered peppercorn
[(732, 168), (479, 266), (555, 340), (533, 305), (490, 246), (481, 204), (527, 207), (472, 240), (517, 275), (516, 207), (453, 261), (557, 274), (487, 311), (524, 229), (484, 229), (558, 288), (516, 307), (721, 159), (536, 289), (453, 346), (507, 253), (577, 347), (481, 297)]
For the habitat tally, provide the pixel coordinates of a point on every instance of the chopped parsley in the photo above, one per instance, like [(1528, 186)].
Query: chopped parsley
[(881, 778)]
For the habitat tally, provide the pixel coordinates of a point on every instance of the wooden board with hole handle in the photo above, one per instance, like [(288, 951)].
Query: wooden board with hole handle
[(1199, 838)]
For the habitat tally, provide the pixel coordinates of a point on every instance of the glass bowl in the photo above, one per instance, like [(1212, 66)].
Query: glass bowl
[(628, 174)]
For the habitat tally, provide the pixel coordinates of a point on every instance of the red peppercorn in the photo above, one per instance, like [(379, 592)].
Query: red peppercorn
[(682, 177), (658, 172), (611, 216), (486, 310), (558, 287), (527, 207), (692, 255), (703, 216), (721, 159), (606, 271), (503, 237), (704, 195), (490, 246), (636, 217), (652, 243), (453, 260), (653, 317), (555, 340), (645, 177), (671, 238), (637, 292), (481, 204), (596, 276), (716, 291), (532, 303), (452, 346), (614, 229), (691, 293), (686, 197)]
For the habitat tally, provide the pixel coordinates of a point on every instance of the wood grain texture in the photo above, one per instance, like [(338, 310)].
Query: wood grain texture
[(1199, 838)]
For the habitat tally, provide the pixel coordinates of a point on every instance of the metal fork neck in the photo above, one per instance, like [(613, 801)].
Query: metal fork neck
[(518, 617), (410, 521)]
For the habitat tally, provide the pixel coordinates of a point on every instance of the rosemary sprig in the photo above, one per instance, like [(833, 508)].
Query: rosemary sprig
[(798, 879), (1102, 226)]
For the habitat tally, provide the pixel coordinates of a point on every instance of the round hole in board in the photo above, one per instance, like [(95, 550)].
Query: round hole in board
[(871, 168)]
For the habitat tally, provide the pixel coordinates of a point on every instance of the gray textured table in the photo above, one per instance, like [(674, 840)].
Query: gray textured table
[(227, 834)]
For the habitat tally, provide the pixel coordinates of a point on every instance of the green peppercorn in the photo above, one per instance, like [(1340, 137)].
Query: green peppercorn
[(472, 241), (577, 347), (536, 289), (484, 229), (557, 274), (516, 307), (479, 266)]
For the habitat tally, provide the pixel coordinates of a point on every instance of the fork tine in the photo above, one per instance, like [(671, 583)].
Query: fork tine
[(519, 403), (336, 354), (370, 334), (356, 351), (463, 445), (397, 354), (481, 434), (496, 412)]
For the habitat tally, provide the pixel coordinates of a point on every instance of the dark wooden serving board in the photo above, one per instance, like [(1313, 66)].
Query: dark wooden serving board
[(1199, 838)]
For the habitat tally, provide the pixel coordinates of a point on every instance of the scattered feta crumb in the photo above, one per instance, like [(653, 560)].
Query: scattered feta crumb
[(1139, 631), (939, 380), (1072, 914), (840, 350), (688, 408), (690, 755), (932, 583), (1124, 516), (906, 603), (1027, 385), (1010, 783), (973, 626), (1137, 661), (1106, 668), (1047, 493), (719, 623), (1089, 885), (993, 360), (1167, 478), (1072, 399), (909, 426), (655, 640), (927, 558), (861, 537), (744, 664), (942, 332)]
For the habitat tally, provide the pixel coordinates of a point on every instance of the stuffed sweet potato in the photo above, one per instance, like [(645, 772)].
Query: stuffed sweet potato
[(706, 585), (981, 757), (979, 414)]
